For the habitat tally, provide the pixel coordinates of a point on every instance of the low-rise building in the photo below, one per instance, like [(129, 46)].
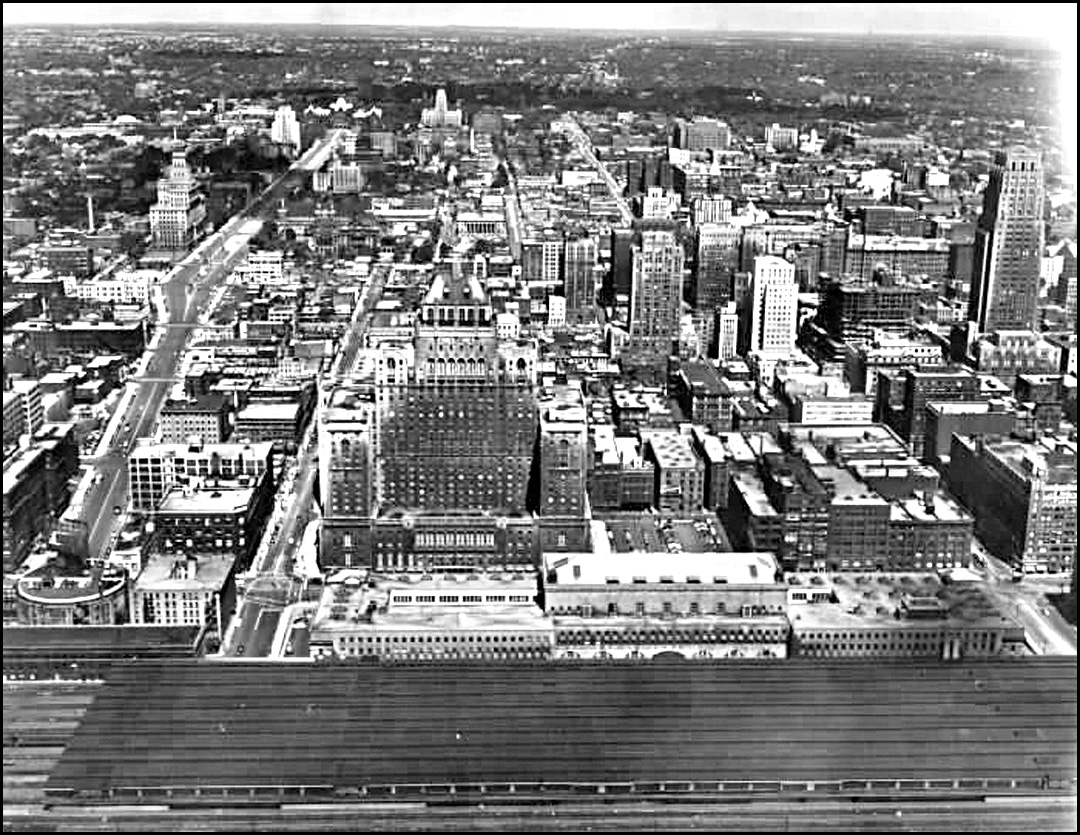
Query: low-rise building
[(279, 422), (1023, 495), (700, 392), (620, 477), (430, 617), (53, 598), (641, 605), (680, 474), (891, 616), (174, 590), (979, 417), (206, 417), (219, 517), (153, 469)]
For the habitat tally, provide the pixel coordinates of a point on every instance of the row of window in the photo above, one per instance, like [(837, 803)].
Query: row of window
[(465, 598), (575, 637), (667, 609), (387, 640)]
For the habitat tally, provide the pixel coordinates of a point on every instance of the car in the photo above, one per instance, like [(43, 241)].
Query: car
[(240, 650), (116, 510)]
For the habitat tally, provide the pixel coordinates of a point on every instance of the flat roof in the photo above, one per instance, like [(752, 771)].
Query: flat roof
[(753, 492), (228, 449), (191, 724), (223, 498), (51, 640), (872, 600), (672, 450), (754, 568), (268, 411), (211, 570), (937, 506)]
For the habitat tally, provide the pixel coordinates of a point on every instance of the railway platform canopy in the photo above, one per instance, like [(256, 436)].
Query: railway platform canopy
[(158, 729)]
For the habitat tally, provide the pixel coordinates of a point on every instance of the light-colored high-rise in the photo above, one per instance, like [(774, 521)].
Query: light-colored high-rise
[(774, 306), (579, 264), (1009, 244), (286, 129), (656, 293), (727, 331), (178, 215), (440, 116)]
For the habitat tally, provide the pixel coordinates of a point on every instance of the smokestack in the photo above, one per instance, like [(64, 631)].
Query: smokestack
[(90, 212)]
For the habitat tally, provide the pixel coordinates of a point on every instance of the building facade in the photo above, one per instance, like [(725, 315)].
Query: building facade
[(656, 294), (773, 306), (176, 219), (1009, 243)]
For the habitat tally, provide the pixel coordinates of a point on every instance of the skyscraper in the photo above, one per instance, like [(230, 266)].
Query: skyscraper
[(286, 130), (440, 116), (447, 431), (655, 293), (1009, 244), (579, 262), (773, 298), (180, 210)]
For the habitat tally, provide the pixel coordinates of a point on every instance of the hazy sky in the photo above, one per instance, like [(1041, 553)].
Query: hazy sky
[(1030, 19)]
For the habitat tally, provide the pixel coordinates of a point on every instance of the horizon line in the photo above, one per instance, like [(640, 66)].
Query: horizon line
[(585, 30)]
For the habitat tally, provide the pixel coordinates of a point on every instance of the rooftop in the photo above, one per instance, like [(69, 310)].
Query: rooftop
[(204, 403), (229, 497), (671, 450), (702, 378), (636, 567), (207, 572), (214, 720), (873, 600), (269, 411), (47, 586), (929, 507), (361, 601)]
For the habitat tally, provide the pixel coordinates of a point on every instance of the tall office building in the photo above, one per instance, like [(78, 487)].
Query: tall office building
[(440, 116), (178, 215), (774, 306), (1009, 244), (446, 439), (579, 262), (655, 293), (563, 448), (286, 130), (727, 331), (622, 243), (715, 265), (704, 135)]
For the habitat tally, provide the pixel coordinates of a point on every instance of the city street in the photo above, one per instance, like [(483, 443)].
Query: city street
[(1048, 632), (187, 287), (273, 587)]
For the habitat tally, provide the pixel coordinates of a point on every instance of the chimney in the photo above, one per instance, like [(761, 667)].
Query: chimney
[(90, 212), (928, 502)]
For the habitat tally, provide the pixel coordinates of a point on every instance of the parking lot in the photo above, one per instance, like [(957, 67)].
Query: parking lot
[(653, 534)]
